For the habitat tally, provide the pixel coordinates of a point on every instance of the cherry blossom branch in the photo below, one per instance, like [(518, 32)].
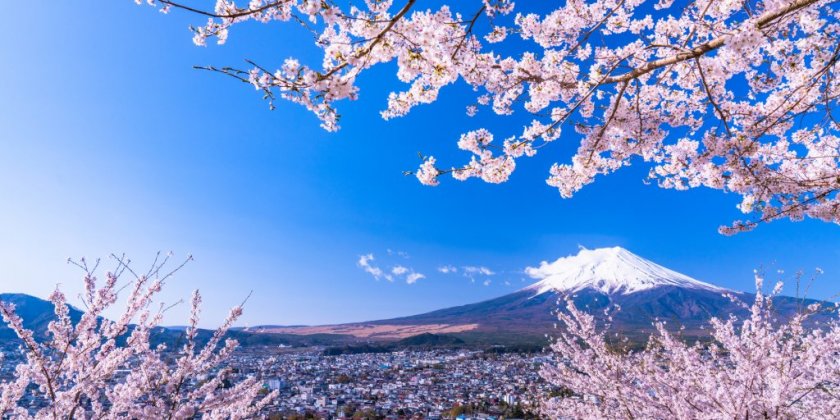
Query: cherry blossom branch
[(575, 61), (762, 22), (241, 13), (376, 40)]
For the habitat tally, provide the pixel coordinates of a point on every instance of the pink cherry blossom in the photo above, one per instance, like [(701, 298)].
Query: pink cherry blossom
[(719, 94), (759, 367), (76, 370)]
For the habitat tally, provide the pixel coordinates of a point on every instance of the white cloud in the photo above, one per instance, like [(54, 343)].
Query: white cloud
[(480, 270), (476, 271), (397, 271), (377, 273), (412, 278), (545, 269), (446, 269)]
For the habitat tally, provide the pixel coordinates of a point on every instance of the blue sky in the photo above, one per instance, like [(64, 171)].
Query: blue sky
[(111, 142)]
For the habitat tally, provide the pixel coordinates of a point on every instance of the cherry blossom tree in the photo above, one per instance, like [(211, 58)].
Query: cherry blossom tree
[(759, 367), (103, 368), (737, 96)]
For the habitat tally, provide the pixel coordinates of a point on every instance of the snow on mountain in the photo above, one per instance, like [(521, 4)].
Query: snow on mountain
[(608, 270)]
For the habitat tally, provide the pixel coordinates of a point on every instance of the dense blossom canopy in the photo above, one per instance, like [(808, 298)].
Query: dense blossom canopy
[(102, 368), (760, 367), (731, 95)]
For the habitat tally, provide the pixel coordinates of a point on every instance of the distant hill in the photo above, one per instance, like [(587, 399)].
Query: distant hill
[(36, 314)]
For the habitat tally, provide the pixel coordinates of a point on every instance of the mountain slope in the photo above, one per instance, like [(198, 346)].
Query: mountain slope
[(596, 280)]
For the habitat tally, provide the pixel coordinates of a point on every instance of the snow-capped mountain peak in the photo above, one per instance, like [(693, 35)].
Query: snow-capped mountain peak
[(608, 270)]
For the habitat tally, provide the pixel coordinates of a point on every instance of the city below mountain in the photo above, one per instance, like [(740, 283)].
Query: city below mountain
[(636, 292)]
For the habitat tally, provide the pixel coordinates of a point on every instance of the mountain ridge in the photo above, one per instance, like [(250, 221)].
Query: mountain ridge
[(596, 280)]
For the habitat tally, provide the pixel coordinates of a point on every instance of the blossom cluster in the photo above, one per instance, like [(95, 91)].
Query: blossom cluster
[(719, 94), (97, 367), (759, 367)]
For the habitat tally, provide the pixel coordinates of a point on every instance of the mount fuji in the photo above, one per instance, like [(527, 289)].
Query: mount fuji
[(596, 280)]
